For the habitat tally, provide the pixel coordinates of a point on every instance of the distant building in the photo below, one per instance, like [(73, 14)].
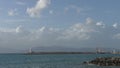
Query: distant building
[(100, 51)]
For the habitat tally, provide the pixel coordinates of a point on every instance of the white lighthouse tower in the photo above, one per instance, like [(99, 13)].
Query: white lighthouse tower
[(30, 50), (114, 51)]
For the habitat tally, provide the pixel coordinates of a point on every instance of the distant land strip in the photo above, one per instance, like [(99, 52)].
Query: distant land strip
[(37, 53)]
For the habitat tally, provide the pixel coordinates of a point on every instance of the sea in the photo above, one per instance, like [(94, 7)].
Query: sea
[(51, 60)]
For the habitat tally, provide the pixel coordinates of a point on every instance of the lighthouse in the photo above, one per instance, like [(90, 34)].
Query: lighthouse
[(114, 51), (30, 50)]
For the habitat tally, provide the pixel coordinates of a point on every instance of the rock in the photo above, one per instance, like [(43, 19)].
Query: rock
[(105, 61)]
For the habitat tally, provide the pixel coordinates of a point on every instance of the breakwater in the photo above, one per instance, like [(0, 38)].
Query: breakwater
[(105, 61), (38, 53)]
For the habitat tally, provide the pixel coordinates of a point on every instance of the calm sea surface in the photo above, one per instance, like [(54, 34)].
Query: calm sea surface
[(50, 61)]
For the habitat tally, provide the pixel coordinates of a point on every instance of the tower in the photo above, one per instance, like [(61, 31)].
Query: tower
[(114, 51), (98, 50), (30, 50)]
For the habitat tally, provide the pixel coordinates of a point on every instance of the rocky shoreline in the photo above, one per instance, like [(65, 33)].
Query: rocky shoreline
[(105, 61)]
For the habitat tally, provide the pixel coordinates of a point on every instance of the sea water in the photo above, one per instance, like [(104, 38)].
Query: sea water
[(50, 60)]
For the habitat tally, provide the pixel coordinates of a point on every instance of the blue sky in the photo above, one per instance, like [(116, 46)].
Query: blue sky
[(82, 23), (59, 13)]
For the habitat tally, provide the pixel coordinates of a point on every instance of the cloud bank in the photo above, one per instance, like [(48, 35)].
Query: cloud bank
[(87, 34)]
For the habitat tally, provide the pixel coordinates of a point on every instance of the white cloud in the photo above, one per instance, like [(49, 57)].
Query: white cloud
[(77, 35), (89, 21), (79, 31), (101, 24), (115, 25), (38, 8), (18, 29), (12, 12)]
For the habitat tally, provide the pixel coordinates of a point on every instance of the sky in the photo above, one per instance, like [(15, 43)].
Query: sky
[(68, 23)]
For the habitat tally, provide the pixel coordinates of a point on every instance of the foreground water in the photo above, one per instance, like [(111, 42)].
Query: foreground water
[(50, 61)]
